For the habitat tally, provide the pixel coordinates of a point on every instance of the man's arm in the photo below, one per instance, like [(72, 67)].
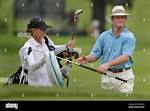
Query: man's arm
[(85, 59), (61, 48), (30, 59), (119, 60)]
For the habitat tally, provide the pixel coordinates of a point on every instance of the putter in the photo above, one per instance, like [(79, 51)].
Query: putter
[(89, 68)]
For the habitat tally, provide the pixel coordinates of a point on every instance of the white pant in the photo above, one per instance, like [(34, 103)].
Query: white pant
[(117, 85)]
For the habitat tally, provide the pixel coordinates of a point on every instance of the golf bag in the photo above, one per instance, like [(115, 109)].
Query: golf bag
[(65, 69), (19, 77)]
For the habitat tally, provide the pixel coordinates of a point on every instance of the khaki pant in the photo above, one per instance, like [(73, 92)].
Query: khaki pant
[(117, 85)]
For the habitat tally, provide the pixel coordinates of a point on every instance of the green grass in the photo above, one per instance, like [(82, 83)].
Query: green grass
[(6, 13), (84, 84)]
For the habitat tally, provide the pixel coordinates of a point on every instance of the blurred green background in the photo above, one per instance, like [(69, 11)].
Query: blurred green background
[(84, 84)]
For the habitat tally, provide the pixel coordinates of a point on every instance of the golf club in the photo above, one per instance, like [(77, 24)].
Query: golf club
[(92, 69), (76, 13), (73, 31)]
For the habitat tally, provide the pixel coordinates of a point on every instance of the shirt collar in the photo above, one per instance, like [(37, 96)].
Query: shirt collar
[(124, 31), (35, 43)]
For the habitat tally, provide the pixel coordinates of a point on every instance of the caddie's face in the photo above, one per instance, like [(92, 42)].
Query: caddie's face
[(38, 33), (119, 21)]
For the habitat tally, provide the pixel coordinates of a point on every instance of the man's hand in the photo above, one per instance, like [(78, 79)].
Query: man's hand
[(82, 60), (71, 44), (103, 68)]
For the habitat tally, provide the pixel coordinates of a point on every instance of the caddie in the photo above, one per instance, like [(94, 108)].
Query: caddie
[(38, 59)]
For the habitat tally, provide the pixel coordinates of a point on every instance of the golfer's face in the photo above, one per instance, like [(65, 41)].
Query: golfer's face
[(119, 21)]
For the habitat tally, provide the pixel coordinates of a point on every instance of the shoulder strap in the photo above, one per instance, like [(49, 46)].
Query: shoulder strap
[(29, 50), (50, 47)]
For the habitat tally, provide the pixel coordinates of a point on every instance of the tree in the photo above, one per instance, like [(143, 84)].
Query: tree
[(99, 12)]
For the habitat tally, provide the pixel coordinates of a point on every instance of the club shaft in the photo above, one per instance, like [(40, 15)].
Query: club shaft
[(68, 60), (89, 68), (77, 12), (102, 73)]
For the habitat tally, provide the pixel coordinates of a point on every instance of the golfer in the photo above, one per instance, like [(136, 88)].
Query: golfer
[(115, 47), (42, 65)]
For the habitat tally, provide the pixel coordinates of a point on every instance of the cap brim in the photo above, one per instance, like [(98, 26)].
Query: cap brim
[(45, 27), (118, 14), (48, 26), (108, 18)]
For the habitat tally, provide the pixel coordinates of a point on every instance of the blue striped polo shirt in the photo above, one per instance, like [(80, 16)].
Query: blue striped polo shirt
[(109, 47)]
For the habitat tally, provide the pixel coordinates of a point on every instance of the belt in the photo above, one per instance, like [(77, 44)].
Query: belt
[(118, 70)]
